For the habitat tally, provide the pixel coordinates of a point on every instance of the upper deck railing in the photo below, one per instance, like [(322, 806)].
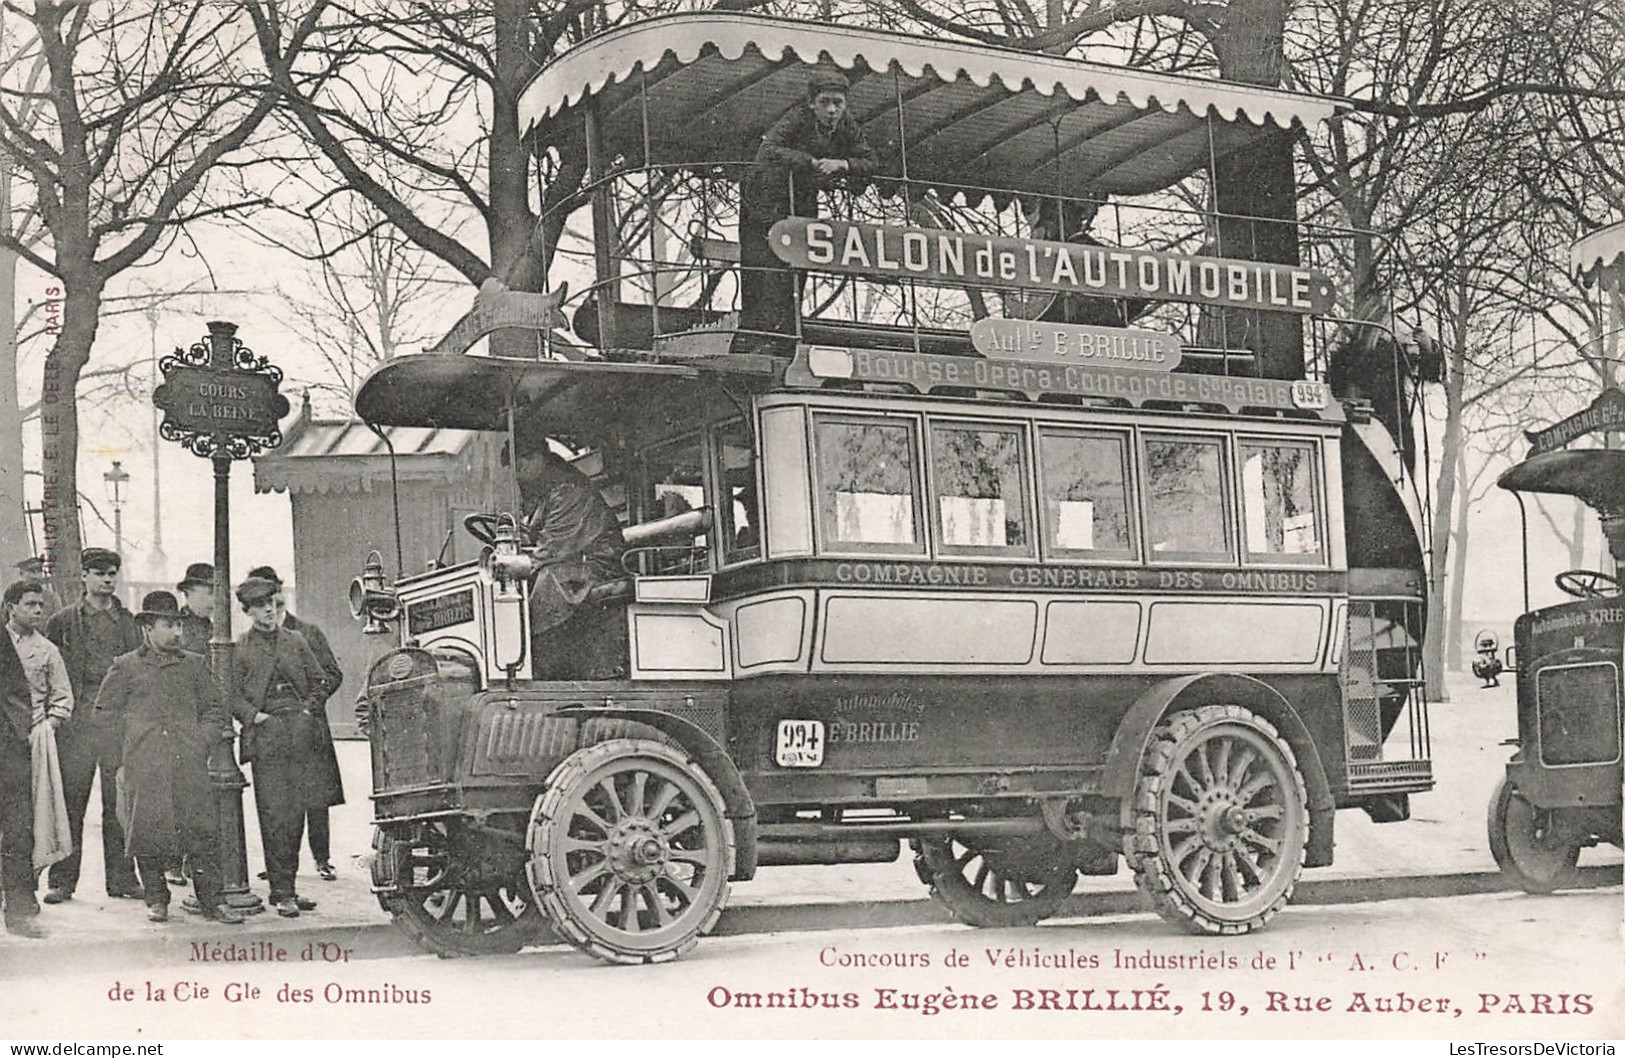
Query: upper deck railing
[(674, 264)]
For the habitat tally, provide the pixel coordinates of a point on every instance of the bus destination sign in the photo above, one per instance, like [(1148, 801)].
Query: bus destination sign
[(926, 372), (956, 258), (1075, 343)]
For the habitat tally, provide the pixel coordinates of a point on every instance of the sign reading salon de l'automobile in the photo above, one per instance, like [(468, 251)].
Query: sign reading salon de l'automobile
[(959, 258)]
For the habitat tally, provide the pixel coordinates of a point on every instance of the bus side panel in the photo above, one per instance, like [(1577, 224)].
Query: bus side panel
[(886, 739)]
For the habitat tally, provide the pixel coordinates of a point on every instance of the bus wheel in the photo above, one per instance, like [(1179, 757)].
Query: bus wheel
[(1219, 821), (1531, 846), (630, 851), (992, 885), (448, 898)]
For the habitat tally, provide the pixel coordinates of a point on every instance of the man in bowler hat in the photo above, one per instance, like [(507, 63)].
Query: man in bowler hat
[(90, 634), (172, 719), (197, 608), (278, 689), (319, 828)]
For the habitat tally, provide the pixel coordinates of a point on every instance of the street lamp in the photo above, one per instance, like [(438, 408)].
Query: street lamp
[(115, 480)]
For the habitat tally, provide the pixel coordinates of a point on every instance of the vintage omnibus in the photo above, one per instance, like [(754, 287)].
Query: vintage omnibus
[(1032, 571)]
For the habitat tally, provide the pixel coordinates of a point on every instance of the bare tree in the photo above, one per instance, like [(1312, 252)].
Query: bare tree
[(139, 103)]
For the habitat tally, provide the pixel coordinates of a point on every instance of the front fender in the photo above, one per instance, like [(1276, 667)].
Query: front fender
[(741, 807), (1134, 733)]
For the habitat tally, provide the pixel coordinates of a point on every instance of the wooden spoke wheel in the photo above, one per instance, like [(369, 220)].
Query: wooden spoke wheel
[(450, 897), (995, 886), (630, 851), (1219, 822), (1534, 847)]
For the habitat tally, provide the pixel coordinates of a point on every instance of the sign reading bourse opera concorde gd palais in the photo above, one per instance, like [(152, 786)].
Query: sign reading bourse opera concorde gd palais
[(956, 258)]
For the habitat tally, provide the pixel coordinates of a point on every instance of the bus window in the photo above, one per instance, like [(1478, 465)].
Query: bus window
[(1278, 505), (1186, 519), (1086, 506), (976, 486), (868, 488), (738, 508), (674, 480)]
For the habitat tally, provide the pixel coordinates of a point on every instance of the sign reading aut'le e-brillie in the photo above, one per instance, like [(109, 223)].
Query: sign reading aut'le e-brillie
[(956, 258)]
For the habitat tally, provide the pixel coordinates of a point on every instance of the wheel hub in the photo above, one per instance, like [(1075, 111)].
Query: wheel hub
[(1222, 819), (636, 850)]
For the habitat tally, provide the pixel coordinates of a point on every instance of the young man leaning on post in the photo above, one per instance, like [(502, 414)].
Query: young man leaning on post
[(172, 719)]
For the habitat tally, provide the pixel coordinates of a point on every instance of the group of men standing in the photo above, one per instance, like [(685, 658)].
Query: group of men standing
[(96, 690)]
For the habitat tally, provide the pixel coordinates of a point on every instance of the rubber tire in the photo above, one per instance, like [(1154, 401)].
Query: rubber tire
[(944, 872), (550, 821), (1144, 848), (432, 934), (1511, 819)]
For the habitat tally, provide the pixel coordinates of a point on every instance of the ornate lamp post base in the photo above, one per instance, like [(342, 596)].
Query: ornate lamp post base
[(229, 784)]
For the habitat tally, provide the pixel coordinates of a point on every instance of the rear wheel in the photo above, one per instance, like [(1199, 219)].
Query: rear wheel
[(453, 893), (989, 884), (1219, 822), (1534, 847), (630, 851)]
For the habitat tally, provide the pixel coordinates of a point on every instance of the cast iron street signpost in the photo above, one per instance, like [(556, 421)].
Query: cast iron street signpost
[(221, 402)]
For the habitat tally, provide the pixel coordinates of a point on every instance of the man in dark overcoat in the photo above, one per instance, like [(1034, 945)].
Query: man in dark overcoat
[(197, 608), (277, 689), (16, 796), (809, 148), (172, 719), (90, 634), (318, 826)]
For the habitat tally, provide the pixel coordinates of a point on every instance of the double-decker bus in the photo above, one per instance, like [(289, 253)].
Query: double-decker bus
[(1010, 542)]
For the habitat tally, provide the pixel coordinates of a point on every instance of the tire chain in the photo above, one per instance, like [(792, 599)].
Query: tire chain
[(1140, 838)]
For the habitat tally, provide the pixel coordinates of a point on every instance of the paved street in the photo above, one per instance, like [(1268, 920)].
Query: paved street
[(1396, 968), (778, 924)]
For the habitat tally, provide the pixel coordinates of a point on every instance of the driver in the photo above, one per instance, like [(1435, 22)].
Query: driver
[(570, 522)]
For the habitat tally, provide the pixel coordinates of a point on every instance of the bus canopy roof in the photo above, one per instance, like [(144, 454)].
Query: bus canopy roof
[(975, 115), (1594, 476), (579, 400)]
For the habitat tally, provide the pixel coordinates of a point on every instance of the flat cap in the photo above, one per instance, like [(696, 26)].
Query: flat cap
[(255, 590), (99, 558)]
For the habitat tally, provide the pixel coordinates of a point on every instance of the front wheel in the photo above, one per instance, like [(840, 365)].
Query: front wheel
[(1217, 828), (630, 851), (1532, 846)]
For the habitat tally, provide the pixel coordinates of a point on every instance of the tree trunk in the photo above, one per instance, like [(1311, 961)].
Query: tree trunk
[(1255, 190), (1444, 498), (14, 541), (59, 431), (508, 220), (1458, 569)]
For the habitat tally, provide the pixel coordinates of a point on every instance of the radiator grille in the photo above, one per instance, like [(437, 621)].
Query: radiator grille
[(1578, 714)]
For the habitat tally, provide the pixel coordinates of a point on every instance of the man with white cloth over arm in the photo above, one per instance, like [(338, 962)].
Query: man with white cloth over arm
[(24, 607)]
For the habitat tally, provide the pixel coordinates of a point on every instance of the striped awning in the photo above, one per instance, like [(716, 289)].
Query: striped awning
[(954, 113), (1599, 258)]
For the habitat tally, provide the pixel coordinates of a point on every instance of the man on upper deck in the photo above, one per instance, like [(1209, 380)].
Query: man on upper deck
[(807, 149)]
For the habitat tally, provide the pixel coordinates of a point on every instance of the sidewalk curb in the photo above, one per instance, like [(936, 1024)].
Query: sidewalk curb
[(380, 939)]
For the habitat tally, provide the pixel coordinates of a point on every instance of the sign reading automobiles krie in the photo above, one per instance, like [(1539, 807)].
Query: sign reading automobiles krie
[(959, 258)]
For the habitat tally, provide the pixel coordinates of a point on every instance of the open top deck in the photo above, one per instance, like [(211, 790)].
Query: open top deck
[(963, 114)]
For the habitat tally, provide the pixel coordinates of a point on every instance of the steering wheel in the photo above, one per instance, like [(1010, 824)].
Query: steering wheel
[(483, 527), (1588, 584)]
